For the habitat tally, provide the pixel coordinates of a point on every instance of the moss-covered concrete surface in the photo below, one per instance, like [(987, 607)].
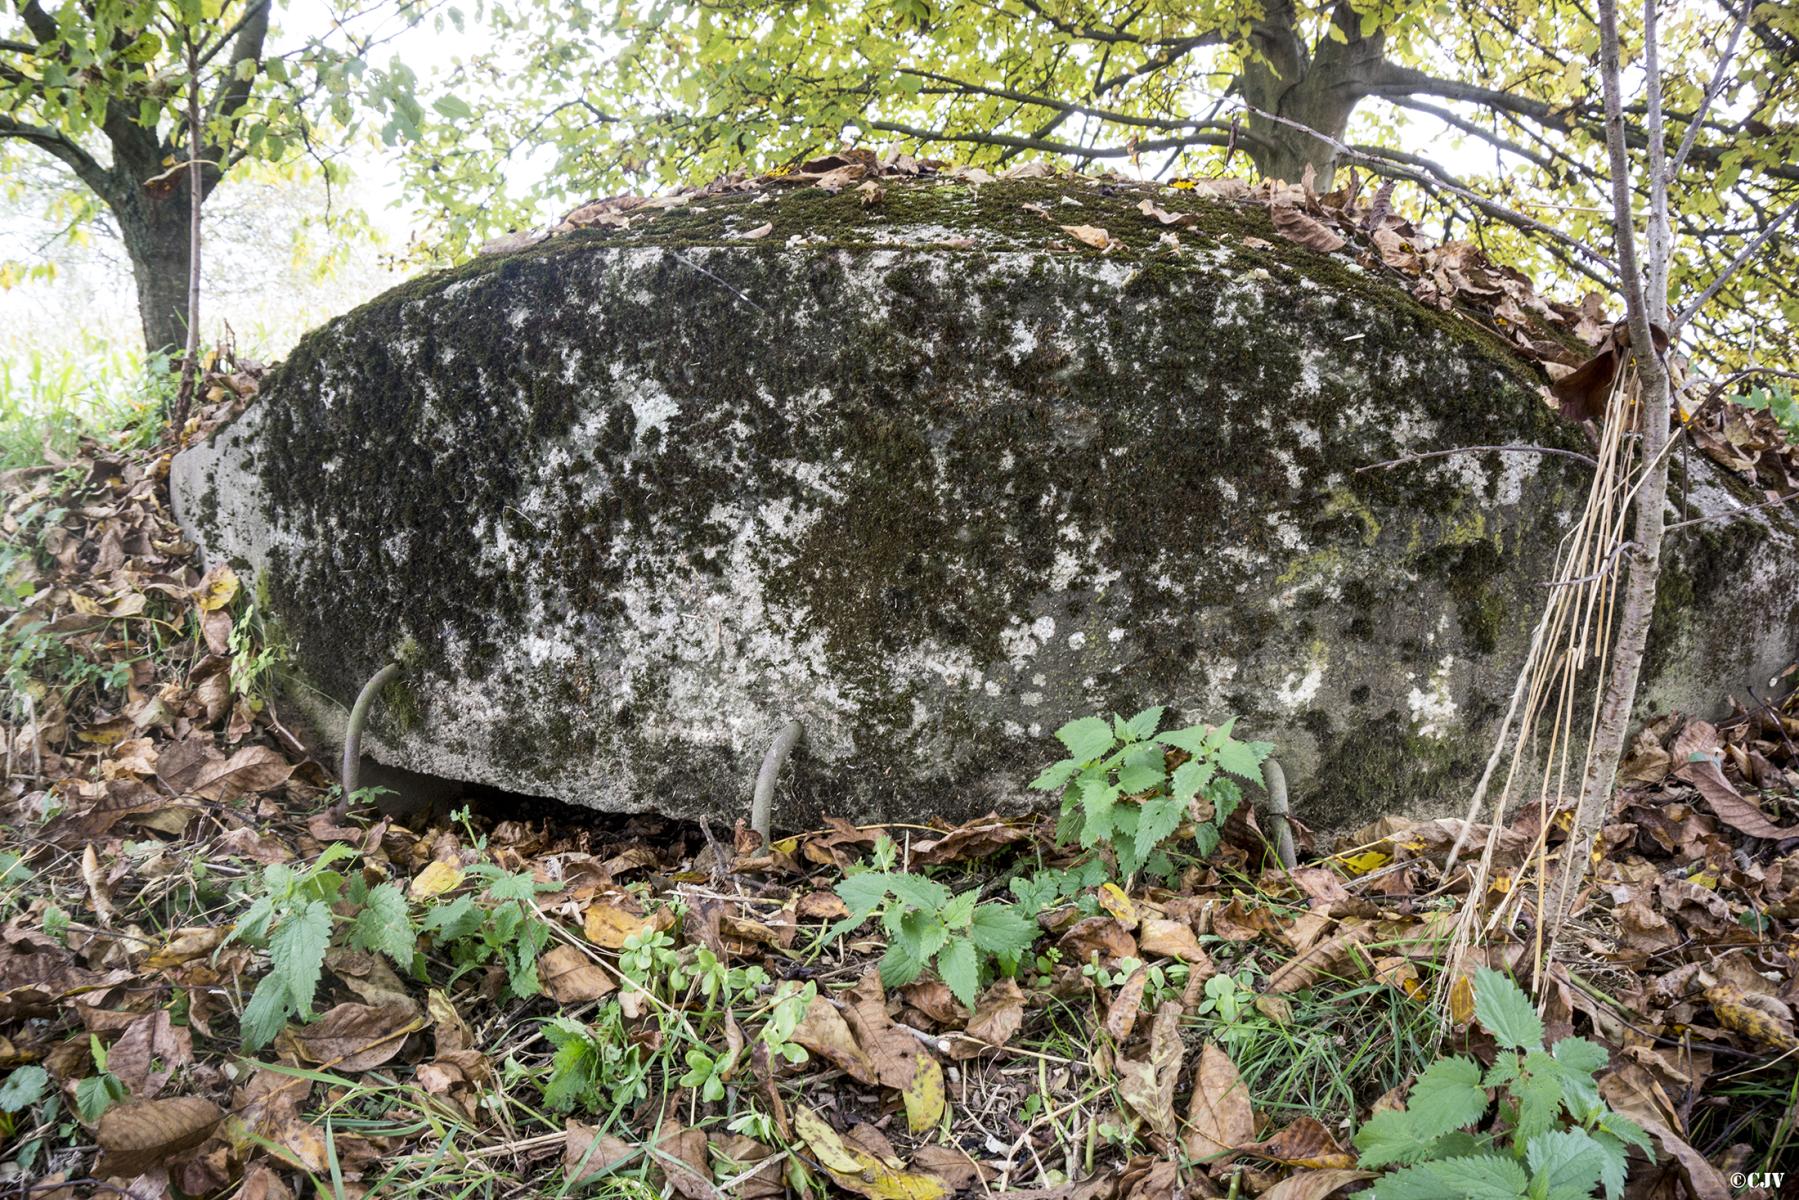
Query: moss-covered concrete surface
[(932, 477)]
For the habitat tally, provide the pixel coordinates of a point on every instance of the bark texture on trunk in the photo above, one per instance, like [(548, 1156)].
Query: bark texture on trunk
[(1317, 89), (158, 244)]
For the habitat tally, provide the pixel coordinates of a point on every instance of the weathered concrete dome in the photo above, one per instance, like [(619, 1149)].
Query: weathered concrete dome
[(933, 478)]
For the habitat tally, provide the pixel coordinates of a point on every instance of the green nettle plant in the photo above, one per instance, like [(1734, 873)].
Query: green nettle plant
[(925, 922), (297, 915), (1127, 788), (1552, 1137)]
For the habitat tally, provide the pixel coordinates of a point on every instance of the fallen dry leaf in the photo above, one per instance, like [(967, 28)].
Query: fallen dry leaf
[(570, 977), (1219, 1116), (1296, 226), (136, 1136), (924, 1097), (356, 1037), (998, 1014), (1696, 750), (1147, 1085), (1164, 938), (1092, 235), (437, 878), (218, 587), (825, 1033), (1303, 1143), (608, 925), (1314, 1185), (1121, 1014), (857, 1170)]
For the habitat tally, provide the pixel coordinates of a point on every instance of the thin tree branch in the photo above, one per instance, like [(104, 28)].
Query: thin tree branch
[(1048, 147), (1756, 243), (1712, 90)]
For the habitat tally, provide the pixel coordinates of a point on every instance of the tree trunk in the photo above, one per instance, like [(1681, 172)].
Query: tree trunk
[(156, 235), (1297, 93)]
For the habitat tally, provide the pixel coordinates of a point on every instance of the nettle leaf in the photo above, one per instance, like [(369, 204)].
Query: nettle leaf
[(385, 924), (901, 964), (1002, 930), (1565, 1164), (1144, 723), (1137, 778), (1626, 1131), (265, 1014), (1225, 796), (1087, 738), (1099, 802), (1614, 1166), (1244, 759), (1472, 1177), (453, 921), (297, 953), (1205, 838), (1539, 1097), (1448, 1095), (1576, 1060), (1056, 775), (1192, 739), (1393, 1136), (1156, 820), (924, 931), (959, 911), (1189, 777), (1506, 1012), (918, 892), (862, 894), (960, 970)]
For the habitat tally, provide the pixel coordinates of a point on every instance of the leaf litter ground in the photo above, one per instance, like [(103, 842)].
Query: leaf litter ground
[(506, 1004)]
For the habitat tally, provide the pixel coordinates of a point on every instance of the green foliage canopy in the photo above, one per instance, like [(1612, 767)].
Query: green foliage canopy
[(681, 91)]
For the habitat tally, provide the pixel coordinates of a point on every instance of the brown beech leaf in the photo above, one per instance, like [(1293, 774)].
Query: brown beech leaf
[(1321, 959), (249, 771), (974, 839), (754, 1182), (1304, 1143), (137, 1136), (1172, 939), (1099, 935), (998, 1013), (1146, 1085), (1156, 212), (1092, 235), (570, 977), (1121, 1014), (1314, 1185), (1219, 1116), (149, 1052), (587, 1153), (824, 1032), (357, 1037), (953, 1166), (1696, 750), (1296, 226)]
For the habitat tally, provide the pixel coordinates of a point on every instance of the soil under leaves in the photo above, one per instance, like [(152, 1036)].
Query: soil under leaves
[(1220, 1032)]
